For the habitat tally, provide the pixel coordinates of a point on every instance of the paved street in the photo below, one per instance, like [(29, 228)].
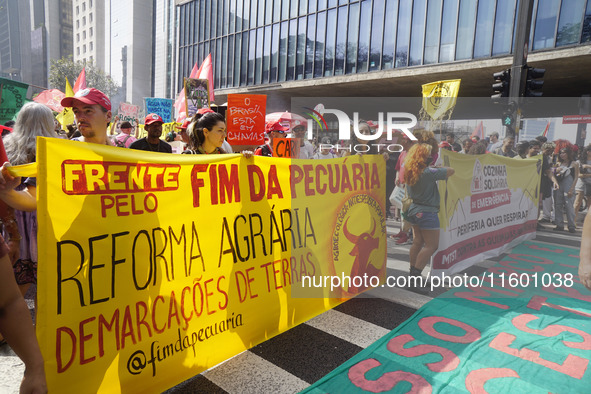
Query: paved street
[(295, 359)]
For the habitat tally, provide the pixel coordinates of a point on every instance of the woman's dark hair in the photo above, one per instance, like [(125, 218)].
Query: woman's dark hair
[(583, 154), (200, 122), (522, 148)]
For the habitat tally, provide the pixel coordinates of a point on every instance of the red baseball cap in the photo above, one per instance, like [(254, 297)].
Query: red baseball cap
[(275, 126), (152, 118), (90, 96), (185, 125), (203, 111)]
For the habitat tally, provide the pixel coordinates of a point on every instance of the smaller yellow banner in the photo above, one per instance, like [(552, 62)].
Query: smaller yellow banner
[(440, 97)]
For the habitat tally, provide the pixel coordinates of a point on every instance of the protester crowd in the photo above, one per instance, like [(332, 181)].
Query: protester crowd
[(565, 185)]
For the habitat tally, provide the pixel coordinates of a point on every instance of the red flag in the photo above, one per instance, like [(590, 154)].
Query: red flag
[(80, 81), (545, 133), (180, 104), (478, 131), (51, 98), (206, 72)]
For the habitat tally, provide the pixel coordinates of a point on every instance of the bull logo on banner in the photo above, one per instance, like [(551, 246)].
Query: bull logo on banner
[(365, 243)]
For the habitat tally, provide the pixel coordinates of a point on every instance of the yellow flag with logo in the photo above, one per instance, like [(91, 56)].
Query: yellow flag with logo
[(66, 117), (440, 97)]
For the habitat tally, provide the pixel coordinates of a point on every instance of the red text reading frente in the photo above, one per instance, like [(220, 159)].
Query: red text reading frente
[(81, 177)]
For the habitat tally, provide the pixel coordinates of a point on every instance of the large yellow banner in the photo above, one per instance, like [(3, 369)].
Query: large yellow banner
[(154, 267)]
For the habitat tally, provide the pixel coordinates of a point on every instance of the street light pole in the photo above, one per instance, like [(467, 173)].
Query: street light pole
[(518, 71)]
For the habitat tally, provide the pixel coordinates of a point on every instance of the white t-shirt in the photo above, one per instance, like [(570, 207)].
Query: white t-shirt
[(306, 151)]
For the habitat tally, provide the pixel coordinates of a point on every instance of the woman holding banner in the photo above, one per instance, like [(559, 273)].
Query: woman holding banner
[(207, 133), (34, 120), (421, 181)]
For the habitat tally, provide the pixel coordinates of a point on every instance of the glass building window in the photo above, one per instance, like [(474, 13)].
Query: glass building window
[(213, 18), (378, 30), (291, 49), (252, 45), (466, 29), (331, 28), (545, 27), (244, 61), (261, 18), (403, 35), (364, 31), (586, 35), (284, 10), (222, 18), (230, 67), (503, 33), (224, 65), (238, 16), (269, 12), (217, 60), (274, 54), (417, 32), (484, 28), (207, 19), (310, 47), (237, 58), (276, 11), (449, 23), (267, 54), (301, 49), (320, 44), (258, 61), (282, 65), (352, 39), (569, 24), (253, 13), (433, 32), (341, 43), (232, 12)]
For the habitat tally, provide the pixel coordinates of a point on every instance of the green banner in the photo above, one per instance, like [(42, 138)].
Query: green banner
[(13, 96), (522, 327)]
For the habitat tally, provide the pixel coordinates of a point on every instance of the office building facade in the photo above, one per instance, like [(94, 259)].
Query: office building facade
[(374, 47)]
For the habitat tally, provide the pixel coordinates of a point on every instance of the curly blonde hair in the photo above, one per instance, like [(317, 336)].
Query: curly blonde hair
[(426, 137), (416, 161)]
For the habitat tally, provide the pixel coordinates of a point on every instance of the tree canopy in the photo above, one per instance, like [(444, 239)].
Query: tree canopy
[(67, 67)]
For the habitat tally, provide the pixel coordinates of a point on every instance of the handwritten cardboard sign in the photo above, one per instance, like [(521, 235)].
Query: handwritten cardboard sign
[(128, 113), (196, 95), (160, 106), (246, 119), (286, 147)]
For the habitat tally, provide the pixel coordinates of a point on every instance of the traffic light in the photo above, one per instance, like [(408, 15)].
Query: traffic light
[(501, 85), (533, 81), (508, 118)]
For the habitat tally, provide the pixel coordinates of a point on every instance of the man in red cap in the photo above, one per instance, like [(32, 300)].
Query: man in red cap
[(92, 109), (274, 130), (152, 143)]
